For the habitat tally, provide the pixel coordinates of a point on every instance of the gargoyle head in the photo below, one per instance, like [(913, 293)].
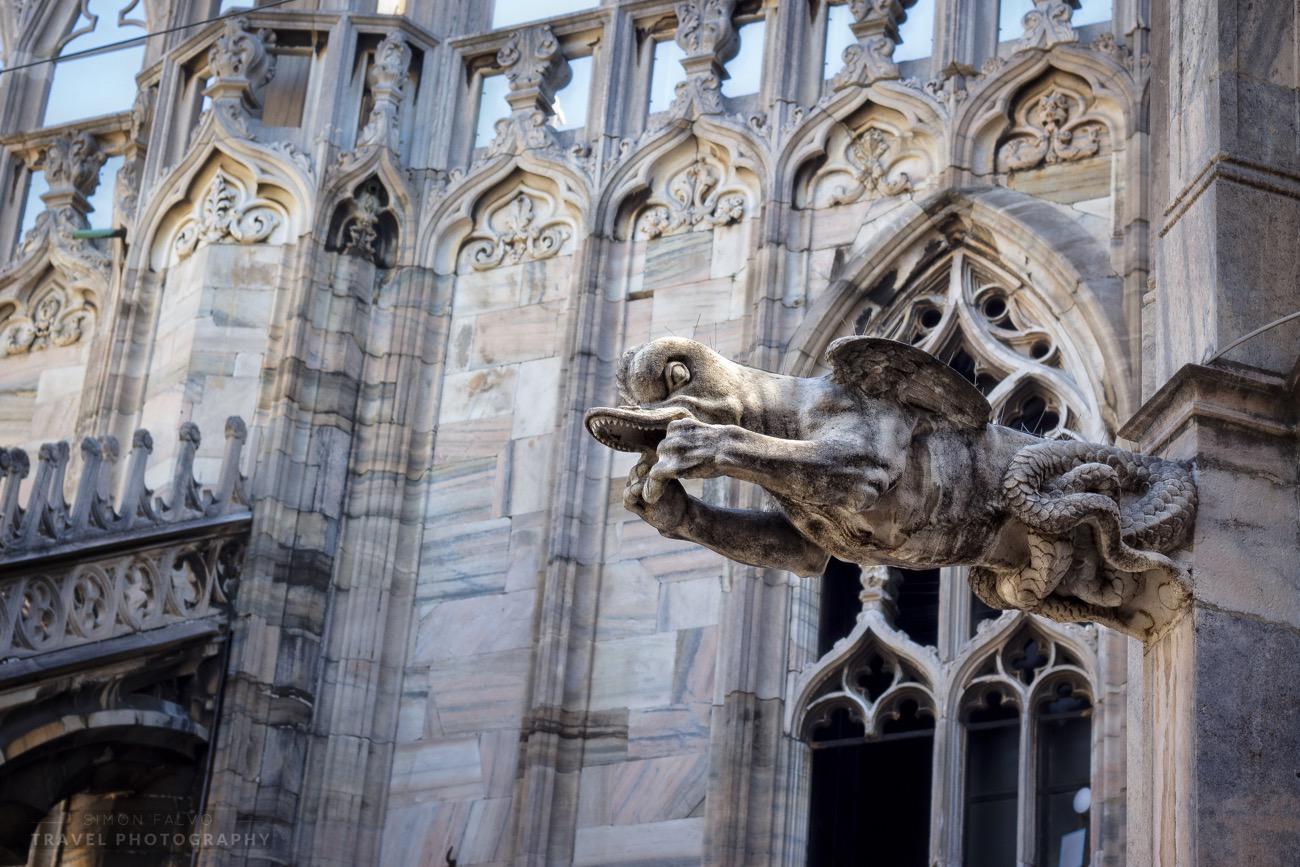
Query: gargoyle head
[(664, 380)]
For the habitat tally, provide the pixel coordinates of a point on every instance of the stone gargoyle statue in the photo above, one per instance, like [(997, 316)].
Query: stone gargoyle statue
[(892, 459)]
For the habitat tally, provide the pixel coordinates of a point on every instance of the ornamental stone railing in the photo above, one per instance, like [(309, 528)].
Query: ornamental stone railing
[(102, 567)]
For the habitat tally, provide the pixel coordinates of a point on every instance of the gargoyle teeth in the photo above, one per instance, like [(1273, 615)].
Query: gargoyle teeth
[(632, 429)]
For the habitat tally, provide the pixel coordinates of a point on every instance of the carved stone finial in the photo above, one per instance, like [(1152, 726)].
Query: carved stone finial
[(236, 429), (71, 164), (707, 37), (879, 591), (241, 64), (1048, 24), (385, 78), (1065, 529), (871, 58)]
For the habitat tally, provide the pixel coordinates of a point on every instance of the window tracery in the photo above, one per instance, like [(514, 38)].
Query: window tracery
[(99, 23), (1011, 724)]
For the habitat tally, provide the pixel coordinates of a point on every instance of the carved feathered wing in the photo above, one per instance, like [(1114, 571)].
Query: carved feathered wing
[(881, 368)]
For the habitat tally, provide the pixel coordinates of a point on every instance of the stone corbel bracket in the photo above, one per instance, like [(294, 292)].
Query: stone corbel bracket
[(46, 523)]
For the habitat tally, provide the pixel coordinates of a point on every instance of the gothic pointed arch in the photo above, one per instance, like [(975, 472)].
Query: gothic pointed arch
[(1031, 293), (836, 135), (369, 209), (521, 211), (703, 173), (1041, 108)]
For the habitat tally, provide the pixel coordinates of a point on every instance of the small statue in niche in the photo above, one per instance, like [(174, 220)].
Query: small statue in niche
[(892, 459)]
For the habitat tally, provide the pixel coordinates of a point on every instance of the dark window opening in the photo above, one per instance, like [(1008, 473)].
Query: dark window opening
[(840, 603), (856, 821), (992, 782), (918, 605), (1064, 768)]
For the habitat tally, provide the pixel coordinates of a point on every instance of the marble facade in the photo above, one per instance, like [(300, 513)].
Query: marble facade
[(451, 643)]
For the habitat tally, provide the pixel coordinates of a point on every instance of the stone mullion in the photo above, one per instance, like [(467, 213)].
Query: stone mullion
[(545, 808), (967, 32), (947, 801), (376, 567), (1026, 796), (746, 742), (308, 409), (1107, 832), (793, 74)]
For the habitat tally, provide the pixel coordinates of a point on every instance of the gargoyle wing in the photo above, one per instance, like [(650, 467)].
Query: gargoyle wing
[(881, 368)]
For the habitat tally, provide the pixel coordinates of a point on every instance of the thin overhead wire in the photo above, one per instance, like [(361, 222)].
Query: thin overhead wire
[(142, 38)]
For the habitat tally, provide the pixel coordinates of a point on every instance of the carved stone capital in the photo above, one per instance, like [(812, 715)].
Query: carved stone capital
[(241, 64), (871, 58), (71, 165), (708, 39), (386, 78), (535, 68), (1048, 24)]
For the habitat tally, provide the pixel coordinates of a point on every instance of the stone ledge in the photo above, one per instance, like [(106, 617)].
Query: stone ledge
[(1227, 394)]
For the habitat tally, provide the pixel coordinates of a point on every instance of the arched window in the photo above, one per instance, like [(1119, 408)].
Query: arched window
[(870, 717), (101, 83), (1008, 751)]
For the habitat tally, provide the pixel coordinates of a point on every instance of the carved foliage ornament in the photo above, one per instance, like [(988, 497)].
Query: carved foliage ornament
[(225, 210), (239, 53), (873, 153), (1054, 128), (54, 320), (704, 26), (707, 37), (525, 227), (695, 200), (1048, 24)]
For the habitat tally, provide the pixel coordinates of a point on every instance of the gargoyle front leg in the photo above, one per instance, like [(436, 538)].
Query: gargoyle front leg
[(839, 469), (755, 537)]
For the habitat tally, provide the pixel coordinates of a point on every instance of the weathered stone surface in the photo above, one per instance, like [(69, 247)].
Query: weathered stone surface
[(892, 459)]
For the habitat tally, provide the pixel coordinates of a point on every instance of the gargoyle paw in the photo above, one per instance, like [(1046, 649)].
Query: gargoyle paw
[(689, 451)]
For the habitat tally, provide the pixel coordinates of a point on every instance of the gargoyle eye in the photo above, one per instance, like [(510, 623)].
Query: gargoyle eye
[(676, 375)]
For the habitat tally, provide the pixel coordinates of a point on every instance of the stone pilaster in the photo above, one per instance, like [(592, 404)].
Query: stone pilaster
[(1213, 777), (1212, 770), (1226, 201)]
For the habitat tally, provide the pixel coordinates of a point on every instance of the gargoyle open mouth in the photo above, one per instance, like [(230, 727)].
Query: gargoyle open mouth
[(631, 428)]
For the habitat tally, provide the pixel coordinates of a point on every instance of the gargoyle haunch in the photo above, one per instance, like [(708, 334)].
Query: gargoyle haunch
[(891, 459)]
